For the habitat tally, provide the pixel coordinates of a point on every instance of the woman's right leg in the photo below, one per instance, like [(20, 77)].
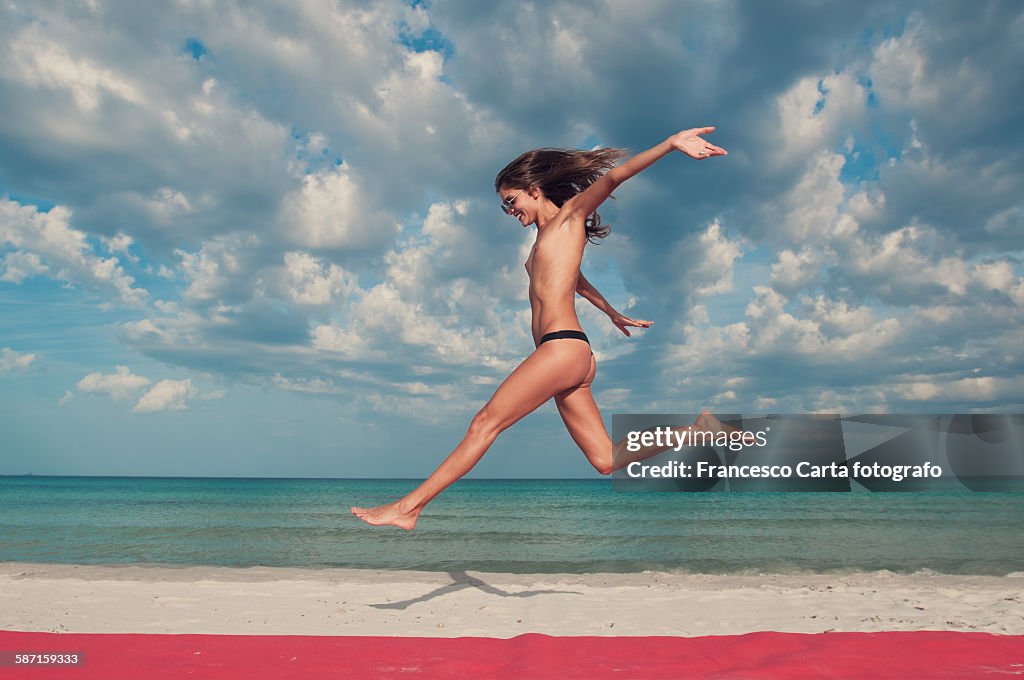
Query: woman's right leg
[(583, 420), (586, 426), (553, 367)]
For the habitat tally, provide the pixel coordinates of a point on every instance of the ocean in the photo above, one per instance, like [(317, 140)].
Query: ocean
[(519, 526)]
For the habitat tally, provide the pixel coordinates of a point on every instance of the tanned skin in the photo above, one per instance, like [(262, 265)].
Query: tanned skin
[(561, 369)]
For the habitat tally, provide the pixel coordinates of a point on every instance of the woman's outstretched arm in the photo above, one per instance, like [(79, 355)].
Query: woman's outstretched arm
[(621, 321), (688, 142)]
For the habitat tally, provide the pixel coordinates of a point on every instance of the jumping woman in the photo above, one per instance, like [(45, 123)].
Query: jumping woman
[(559, 191)]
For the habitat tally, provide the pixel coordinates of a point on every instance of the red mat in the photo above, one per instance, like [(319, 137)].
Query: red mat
[(755, 655)]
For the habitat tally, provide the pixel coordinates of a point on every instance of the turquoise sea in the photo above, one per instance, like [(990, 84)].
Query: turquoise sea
[(524, 526)]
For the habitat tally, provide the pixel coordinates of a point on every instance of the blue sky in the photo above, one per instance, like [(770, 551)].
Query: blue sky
[(265, 242)]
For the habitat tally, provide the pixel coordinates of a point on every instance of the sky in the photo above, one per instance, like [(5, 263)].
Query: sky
[(262, 239)]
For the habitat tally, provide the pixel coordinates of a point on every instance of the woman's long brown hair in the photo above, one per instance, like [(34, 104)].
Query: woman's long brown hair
[(561, 174)]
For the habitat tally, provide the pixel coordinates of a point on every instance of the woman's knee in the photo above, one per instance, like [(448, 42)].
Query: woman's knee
[(484, 424), (602, 460)]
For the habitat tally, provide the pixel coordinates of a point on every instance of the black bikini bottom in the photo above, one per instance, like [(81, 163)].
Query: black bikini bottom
[(562, 335)]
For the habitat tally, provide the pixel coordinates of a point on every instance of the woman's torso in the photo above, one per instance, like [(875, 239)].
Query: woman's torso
[(553, 267)]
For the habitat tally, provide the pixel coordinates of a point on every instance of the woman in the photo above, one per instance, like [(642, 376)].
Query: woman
[(559, 191)]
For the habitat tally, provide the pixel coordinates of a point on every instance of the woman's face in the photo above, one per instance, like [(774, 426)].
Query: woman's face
[(520, 204)]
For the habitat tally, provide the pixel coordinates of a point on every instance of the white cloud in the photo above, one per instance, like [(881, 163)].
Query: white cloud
[(812, 206), (345, 341), (309, 386), (216, 270), (713, 269), (980, 389), (40, 62), (18, 266), (425, 305), (12, 361), (898, 264), (118, 243), (47, 243), (996, 276), (384, 312), (907, 74), (166, 205), (795, 271), (773, 329), (431, 408), (146, 328), (118, 385), (216, 394), (310, 281), (330, 210), (813, 112), (430, 311), (166, 395), (276, 181)]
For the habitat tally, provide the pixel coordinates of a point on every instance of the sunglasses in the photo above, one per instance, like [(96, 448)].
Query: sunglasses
[(509, 203)]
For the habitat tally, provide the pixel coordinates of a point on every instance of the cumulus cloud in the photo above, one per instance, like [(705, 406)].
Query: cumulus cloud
[(706, 260), (120, 243), (120, 384), (15, 362), (434, 301), (310, 281), (438, 306), (794, 271), (298, 220), (18, 266), (819, 310), (815, 113), (329, 210), (871, 287), (39, 61), (212, 272), (166, 395), (45, 241)]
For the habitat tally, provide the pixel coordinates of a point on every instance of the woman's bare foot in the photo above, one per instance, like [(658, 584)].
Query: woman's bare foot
[(707, 422), (388, 514)]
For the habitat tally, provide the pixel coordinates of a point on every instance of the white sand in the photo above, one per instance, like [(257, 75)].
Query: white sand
[(264, 600)]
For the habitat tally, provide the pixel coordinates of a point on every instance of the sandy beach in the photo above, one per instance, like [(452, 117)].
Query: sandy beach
[(289, 601)]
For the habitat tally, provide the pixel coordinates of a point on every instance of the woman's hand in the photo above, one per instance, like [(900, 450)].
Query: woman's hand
[(621, 321), (690, 143)]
